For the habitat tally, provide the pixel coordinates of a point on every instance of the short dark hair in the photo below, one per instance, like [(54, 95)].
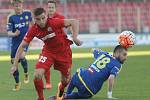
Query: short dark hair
[(16, 1), (52, 1), (119, 48), (38, 11)]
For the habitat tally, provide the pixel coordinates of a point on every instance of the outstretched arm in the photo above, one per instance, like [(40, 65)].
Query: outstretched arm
[(75, 29), (96, 52), (110, 86)]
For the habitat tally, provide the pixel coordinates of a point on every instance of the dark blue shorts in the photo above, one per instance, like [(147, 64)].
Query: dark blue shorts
[(82, 91)]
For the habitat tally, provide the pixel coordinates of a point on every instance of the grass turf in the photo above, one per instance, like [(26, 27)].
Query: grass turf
[(131, 84)]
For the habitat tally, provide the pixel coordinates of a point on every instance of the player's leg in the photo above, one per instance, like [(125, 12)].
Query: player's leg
[(38, 82), (16, 73), (42, 66), (82, 91), (71, 84), (65, 78), (63, 63), (47, 78), (16, 77), (73, 95), (69, 94), (24, 64), (77, 95)]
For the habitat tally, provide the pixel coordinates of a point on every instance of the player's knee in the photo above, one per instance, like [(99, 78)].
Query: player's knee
[(38, 74), (16, 73), (66, 80)]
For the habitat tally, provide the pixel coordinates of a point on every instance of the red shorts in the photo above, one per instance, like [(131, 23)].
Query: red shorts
[(61, 61)]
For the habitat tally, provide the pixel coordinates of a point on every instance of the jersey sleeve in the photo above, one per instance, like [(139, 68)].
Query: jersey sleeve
[(57, 22), (115, 70), (30, 16), (98, 52), (9, 24), (61, 17), (30, 35), (57, 15)]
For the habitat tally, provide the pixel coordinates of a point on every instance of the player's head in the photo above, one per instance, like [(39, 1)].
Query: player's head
[(120, 53), (51, 5), (18, 5), (40, 17)]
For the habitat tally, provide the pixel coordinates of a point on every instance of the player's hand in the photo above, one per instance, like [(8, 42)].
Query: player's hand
[(109, 96), (13, 69), (17, 32), (77, 41)]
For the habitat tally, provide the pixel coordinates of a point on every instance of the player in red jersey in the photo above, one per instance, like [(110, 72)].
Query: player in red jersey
[(56, 50), (51, 6)]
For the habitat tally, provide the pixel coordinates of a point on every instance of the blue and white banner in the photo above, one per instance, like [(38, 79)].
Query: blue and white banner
[(89, 40), (5, 43)]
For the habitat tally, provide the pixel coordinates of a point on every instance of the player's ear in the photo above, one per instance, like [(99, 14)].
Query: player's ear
[(116, 54)]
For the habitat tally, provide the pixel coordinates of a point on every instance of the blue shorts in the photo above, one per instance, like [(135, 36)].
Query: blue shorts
[(14, 50), (82, 91)]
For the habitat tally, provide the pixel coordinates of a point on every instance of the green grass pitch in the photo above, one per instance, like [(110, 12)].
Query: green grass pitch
[(133, 82)]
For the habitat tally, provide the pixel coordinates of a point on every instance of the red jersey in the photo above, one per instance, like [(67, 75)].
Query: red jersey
[(52, 36), (57, 15)]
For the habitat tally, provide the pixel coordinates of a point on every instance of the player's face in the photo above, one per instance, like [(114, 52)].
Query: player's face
[(41, 20), (18, 7), (51, 8), (122, 56)]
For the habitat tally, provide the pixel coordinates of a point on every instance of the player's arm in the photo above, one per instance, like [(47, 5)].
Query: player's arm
[(69, 27), (10, 28), (96, 52), (74, 24), (13, 34), (30, 18), (114, 72), (31, 23), (111, 80), (110, 85)]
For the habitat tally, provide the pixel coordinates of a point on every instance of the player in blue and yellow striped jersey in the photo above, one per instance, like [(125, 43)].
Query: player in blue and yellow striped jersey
[(18, 23), (90, 81)]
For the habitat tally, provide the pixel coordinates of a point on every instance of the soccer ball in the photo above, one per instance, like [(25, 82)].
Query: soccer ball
[(126, 39)]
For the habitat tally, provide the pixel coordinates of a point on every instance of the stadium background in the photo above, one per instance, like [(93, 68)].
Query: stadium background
[(100, 23)]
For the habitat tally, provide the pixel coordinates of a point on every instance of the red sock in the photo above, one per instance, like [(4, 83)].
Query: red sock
[(47, 76), (38, 83)]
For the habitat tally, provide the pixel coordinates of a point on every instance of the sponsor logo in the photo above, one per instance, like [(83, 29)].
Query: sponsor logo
[(48, 36)]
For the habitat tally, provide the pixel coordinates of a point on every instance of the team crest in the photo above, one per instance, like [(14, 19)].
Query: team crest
[(26, 17), (49, 29), (21, 18)]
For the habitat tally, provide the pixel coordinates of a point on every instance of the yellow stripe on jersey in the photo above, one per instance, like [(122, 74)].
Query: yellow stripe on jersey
[(78, 71)]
